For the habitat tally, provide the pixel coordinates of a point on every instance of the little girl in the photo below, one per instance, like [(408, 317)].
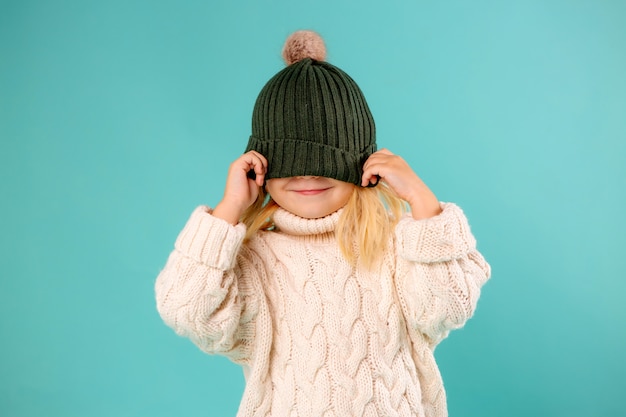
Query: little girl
[(311, 272)]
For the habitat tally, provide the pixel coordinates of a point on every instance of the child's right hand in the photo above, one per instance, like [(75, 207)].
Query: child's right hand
[(241, 191)]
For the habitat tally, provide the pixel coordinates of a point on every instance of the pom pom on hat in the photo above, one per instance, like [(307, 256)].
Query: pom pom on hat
[(304, 44)]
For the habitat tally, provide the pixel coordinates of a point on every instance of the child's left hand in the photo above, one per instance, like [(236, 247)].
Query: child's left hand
[(403, 181)]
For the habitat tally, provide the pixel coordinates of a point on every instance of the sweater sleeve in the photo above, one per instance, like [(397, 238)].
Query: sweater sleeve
[(199, 293), (439, 272)]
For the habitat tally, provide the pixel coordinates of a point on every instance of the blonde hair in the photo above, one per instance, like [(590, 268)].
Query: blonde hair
[(364, 226)]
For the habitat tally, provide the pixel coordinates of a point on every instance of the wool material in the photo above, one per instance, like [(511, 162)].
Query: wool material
[(311, 118), (315, 335)]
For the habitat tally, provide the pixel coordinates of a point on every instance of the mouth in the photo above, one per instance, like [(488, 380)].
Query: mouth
[(313, 191)]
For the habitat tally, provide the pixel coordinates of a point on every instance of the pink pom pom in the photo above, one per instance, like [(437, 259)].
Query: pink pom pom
[(304, 44)]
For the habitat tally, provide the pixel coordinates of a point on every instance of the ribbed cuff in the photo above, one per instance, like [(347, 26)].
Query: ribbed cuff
[(210, 240), (441, 238)]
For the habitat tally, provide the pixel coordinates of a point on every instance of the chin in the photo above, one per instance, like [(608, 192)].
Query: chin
[(313, 214)]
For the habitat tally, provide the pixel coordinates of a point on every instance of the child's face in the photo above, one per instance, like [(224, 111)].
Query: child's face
[(309, 197)]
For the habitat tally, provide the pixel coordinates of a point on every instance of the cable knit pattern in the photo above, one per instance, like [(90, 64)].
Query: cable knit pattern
[(317, 336)]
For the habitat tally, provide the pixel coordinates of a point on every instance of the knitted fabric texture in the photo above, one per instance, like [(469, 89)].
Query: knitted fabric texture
[(312, 119), (315, 335)]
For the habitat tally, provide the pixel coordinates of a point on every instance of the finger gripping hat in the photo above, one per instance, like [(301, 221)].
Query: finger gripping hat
[(312, 118)]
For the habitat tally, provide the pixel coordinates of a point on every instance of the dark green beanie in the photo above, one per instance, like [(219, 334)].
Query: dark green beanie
[(312, 119)]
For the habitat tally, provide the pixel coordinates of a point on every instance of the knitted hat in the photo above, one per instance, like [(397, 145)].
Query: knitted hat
[(311, 118)]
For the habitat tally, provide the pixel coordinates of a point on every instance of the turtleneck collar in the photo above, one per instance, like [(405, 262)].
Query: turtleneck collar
[(291, 224)]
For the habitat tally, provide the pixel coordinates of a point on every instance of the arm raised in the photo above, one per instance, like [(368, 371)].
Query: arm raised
[(439, 272), (201, 292)]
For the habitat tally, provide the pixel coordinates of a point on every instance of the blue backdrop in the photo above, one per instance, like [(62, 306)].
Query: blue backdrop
[(118, 117)]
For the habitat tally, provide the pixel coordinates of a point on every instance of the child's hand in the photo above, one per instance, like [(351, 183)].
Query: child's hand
[(241, 191), (403, 181)]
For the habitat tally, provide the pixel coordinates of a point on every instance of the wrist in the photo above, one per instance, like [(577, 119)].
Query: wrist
[(425, 207), (228, 212)]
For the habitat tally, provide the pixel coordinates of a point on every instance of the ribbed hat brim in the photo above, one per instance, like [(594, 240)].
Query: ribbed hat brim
[(295, 157)]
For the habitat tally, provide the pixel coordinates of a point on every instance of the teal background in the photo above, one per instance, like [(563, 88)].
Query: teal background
[(118, 117)]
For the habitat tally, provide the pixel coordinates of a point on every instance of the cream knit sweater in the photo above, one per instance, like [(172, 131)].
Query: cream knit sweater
[(317, 337)]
